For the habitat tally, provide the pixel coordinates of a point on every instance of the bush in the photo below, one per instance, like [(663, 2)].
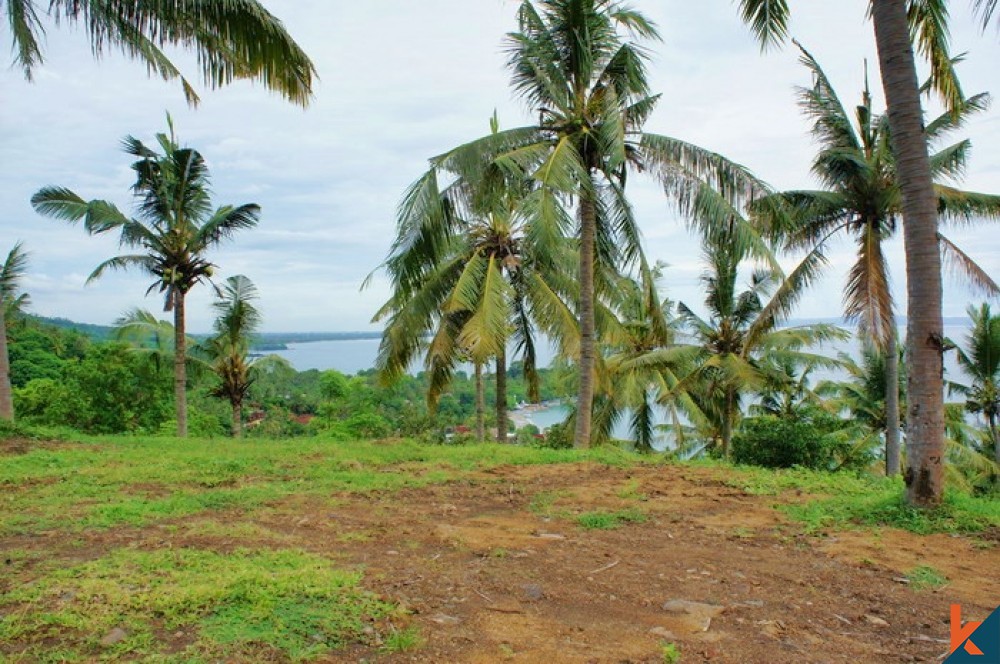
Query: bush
[(775, 442)]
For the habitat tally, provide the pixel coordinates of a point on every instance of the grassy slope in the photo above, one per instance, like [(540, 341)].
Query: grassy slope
[(294, 603)]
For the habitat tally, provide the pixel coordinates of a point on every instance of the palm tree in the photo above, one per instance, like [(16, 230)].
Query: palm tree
[(174, 229), (866, 396), (894, 23), (641, 364), (980, 359), (862, 200), (741, 330), (228, 348), (232, 40), (10, 301), (147, 334), (587, 82), (483, 285)]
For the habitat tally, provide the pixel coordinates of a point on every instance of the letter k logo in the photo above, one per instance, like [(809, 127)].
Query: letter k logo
[(960, 634)]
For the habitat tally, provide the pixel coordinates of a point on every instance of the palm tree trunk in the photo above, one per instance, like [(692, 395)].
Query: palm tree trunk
[(585, 398), (180, 365), (237, 419), (480, 405), (727, 423), (996, 437), (892, 404), (502, 396), (6, 395), (924, 330)]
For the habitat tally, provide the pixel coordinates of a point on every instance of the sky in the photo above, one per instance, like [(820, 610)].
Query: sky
[(399, 83)]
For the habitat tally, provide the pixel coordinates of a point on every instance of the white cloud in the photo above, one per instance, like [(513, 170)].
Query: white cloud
[(401, 82)]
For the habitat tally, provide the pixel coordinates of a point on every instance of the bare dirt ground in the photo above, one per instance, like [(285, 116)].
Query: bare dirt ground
[(495, 568)]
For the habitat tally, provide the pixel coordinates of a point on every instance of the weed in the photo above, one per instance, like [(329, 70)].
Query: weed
[(926, 577), (631, 492), (610, 520), (671, 653), (402, 640)]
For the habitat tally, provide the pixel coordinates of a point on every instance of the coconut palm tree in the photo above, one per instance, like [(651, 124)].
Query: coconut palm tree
[(574, 63), (862, 200), (641, 364), (980, 360), (485, 284), (232, 40), (895, 24), (229, 347), (10, 301), (174, 229), (740, 331)]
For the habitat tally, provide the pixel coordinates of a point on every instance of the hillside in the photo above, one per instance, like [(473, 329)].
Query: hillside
[(317, 551)]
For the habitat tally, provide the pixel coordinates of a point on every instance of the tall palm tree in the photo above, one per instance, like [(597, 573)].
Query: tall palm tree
[(740, 331), (10, 300), (862, 200), (895, 22), (980, 359), (174, 229), (232, 39), (229, 347), (574, 64)]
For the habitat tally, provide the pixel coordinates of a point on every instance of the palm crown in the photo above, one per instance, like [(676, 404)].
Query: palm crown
[(232, 39)]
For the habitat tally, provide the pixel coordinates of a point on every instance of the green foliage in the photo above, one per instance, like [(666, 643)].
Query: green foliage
[(610, 520), (109, 390), (775, 442), (671, 653)]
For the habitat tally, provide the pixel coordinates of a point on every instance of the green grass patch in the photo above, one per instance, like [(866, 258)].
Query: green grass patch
[(884, 506), (926, 577), (102, 482), (288, 601), (610, 520)]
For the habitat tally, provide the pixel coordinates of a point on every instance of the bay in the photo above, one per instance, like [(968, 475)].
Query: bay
[(350, 356)]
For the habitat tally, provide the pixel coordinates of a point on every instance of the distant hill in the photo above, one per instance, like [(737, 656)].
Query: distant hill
[(95, 332), (268, 341)]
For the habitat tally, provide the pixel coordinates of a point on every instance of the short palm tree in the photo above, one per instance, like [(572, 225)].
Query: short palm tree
[(641, 364), (10, 301), (862, 200), (574, 63), (742, 328), (232, 40), (229, 347), (980, 360), (484, 285), (174, 229)]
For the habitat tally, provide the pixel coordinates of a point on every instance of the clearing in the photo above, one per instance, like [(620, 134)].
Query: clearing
[(186, 551)]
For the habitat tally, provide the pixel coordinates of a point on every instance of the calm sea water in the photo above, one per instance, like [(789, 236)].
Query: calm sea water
[(351, 356)]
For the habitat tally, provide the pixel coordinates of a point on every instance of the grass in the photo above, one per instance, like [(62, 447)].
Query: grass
[(926, 577), (265, 601), (849, 500), (610, 520), (106, 482), (288, 601)]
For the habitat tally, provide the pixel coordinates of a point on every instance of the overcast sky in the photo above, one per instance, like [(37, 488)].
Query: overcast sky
[(401, 82)]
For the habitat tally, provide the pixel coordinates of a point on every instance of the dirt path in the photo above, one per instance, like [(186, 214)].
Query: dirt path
[(499, 570)]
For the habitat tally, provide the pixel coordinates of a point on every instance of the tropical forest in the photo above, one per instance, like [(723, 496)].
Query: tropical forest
[(525, 331)]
